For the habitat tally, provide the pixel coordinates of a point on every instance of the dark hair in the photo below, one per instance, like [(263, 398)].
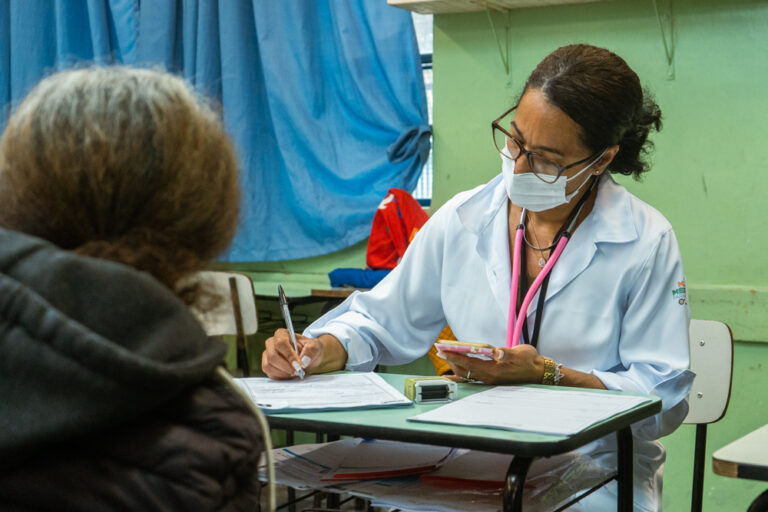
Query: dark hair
[(600, 92), (123, 164)]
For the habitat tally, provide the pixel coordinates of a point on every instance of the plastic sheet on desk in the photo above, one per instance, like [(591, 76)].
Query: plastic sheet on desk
[(556, 480), (551, 480), (410, 494), (294, 469), (322, 465)]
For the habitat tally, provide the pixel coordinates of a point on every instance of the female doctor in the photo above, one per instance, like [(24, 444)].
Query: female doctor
[(577, 281)]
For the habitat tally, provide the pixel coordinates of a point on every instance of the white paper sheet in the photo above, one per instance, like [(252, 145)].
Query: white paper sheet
[(385, 459), (303, 466), (315, 465), (322, 393), (541, 410)]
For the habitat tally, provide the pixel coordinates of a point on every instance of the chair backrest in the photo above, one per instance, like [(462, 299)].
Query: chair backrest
[(222, 319), (711, 345)]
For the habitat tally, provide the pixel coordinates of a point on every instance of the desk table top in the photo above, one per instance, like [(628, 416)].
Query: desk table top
[(392, 424), (746, 457), (333, 293)]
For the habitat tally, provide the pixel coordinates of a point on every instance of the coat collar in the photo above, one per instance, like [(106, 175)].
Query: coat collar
[(482, 207), (612, 218), (484, 214)]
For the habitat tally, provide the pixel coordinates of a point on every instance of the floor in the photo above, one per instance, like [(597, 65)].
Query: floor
[(315, 503)]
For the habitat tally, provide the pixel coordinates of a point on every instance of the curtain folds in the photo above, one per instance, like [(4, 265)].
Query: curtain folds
[(324, 99), (39, 37)]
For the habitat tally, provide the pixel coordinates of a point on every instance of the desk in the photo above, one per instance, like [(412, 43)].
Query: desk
[(746, 457), (333, 293), (392, 424), (333, 296), (297, 287)]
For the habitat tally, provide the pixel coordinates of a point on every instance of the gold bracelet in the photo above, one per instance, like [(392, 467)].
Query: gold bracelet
[(549, 372)]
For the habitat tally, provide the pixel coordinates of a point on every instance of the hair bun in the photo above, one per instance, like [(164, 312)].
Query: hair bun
[(147, 250), (634, 145)]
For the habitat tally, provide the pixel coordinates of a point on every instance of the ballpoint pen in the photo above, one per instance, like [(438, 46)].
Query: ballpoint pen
[(289, 325)]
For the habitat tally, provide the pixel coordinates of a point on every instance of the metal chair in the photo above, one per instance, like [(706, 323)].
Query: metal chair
[(234, 310), (711, 345), (223, 376)]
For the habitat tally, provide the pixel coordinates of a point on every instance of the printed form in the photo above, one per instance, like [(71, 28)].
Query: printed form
[(322, 393), (547, 411)]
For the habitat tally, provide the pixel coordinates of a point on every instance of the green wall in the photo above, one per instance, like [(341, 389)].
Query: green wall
[(708, 176)]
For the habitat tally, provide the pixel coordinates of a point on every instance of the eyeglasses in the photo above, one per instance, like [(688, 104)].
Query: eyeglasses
[(511, 148)]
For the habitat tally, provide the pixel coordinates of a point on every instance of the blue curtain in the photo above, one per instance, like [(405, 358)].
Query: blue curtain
[(39, 37), (323, 98)]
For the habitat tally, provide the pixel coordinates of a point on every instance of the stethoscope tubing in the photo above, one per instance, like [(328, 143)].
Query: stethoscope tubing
[(515, 327), (513, 288)]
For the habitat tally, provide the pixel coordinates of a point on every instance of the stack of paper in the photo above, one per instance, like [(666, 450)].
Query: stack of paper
[(549, 480), (410, 494), (323, 393), (478, 471), (295, 469), (466, 481), (304, 466), (547, 411), (372, 459), (321, 465)]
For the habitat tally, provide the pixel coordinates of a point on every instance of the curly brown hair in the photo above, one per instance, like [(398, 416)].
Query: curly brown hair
[(128, 165)]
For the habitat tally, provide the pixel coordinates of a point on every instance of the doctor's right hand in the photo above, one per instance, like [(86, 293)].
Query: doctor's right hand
[(316, 355), (279, 361)]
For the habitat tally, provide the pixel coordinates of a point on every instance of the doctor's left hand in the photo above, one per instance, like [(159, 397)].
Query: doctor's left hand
[(519, 365)]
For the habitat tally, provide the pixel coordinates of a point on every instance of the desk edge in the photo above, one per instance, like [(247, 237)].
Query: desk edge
[(522, 448)]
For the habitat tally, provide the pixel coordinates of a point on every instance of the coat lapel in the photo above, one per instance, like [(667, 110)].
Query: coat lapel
[(610, 221), (485, 215), (575, 258), (493, 249)]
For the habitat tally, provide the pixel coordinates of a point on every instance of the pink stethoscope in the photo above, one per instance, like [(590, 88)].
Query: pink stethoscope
[(514, 328)]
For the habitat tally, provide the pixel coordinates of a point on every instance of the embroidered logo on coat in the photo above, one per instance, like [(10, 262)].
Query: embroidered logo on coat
[(679, 293)]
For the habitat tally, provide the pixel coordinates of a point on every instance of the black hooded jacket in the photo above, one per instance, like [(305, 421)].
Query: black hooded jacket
[(106, 394)]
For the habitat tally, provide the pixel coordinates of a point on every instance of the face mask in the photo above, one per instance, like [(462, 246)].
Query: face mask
[(531, 193)]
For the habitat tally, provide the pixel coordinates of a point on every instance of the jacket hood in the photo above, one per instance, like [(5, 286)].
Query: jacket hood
[(86, 344)]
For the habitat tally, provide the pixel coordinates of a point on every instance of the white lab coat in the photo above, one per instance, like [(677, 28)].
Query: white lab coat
[(610, 309)]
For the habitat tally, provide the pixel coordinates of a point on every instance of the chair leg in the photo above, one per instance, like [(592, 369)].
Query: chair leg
[(242, 362), (697, 491), (242, 355), (760, 504), (512, 498)]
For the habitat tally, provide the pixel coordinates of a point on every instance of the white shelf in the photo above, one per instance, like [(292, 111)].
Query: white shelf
[(453, 6)]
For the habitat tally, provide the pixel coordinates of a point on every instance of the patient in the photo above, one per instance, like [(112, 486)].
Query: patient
[(106, 394)]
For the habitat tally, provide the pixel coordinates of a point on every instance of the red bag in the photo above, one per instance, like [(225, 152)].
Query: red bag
[(396, 221)]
